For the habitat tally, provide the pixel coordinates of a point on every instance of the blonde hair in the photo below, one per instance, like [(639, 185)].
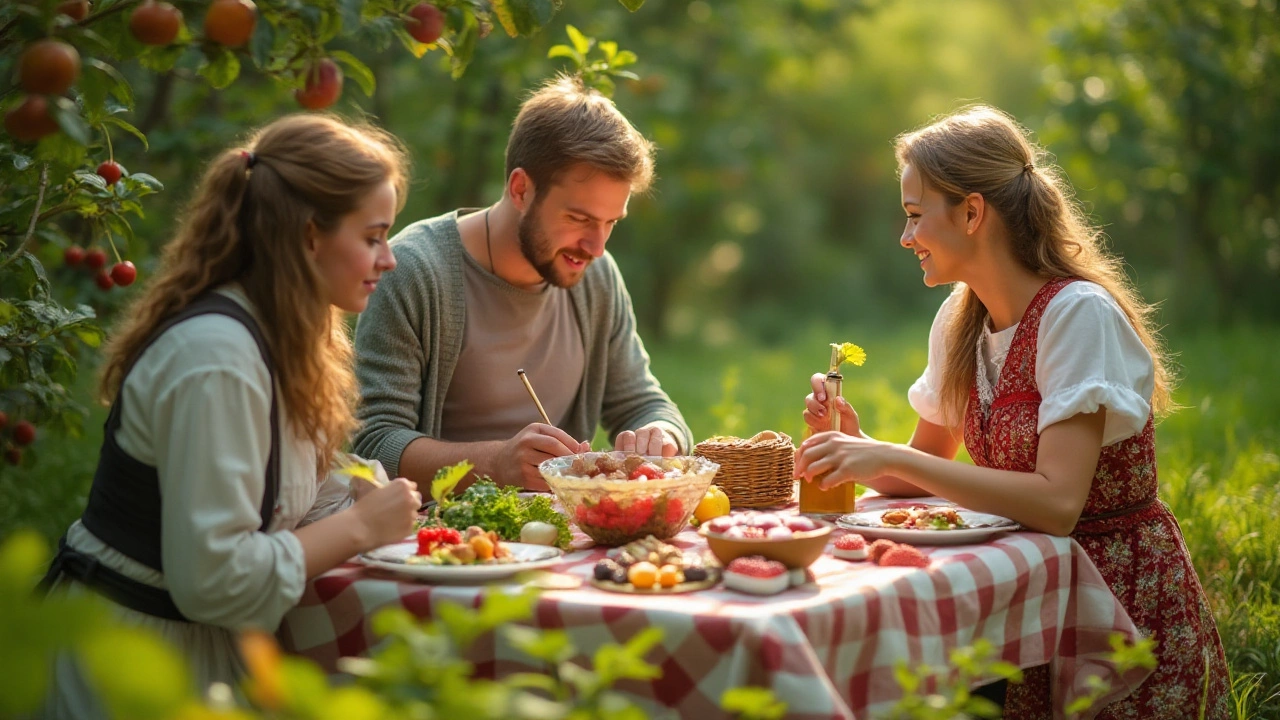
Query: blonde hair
[(565, 123), (983, 150), (247, 223)]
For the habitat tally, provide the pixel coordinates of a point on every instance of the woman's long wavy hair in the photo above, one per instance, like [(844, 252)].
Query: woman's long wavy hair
[(982, 150), (248, 223)]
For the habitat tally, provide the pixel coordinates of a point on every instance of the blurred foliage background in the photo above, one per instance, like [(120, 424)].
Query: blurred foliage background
[(777, 202), (773, 227)]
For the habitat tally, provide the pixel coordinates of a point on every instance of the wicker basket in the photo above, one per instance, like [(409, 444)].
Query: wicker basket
[(754, 472)]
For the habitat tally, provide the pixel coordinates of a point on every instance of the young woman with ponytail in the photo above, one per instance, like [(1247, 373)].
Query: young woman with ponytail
[(231, 389), (1045, 362)]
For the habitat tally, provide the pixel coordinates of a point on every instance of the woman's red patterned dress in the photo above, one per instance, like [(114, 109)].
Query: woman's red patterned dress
[(1128, 533)]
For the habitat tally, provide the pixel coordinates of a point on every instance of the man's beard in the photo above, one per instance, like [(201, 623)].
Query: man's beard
[(536, 248)]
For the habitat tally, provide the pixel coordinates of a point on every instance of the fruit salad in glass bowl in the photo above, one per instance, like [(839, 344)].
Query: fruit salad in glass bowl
[(617, 497)]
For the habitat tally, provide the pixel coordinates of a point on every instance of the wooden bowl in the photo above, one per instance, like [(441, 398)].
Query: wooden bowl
[(797, 551)]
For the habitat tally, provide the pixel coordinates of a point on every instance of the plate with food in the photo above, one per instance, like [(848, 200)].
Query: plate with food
[(923, 524), (444, 555), (652, 567)]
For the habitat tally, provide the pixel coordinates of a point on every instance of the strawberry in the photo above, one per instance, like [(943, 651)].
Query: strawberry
[(646, 470), (675, 511)]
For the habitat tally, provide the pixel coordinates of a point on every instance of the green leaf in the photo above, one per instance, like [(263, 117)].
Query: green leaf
[(124, 125), (753, 702), (623, 59), (22, 558), (90, 335), (356, 70), (464, 46), (414, 47), (136, 673), (68, 117), (117, 85), (262, 43), (566, 52), (580, 41), (523, 17), (448, 477), (550, 646), (632, 5), (330, 26), (222, 69), (609, 48), (90, 178), (147, 180), (161, 59)]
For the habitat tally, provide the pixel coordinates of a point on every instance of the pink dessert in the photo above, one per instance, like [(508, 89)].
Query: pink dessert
[(756, 575), (878, 548), (904, 556), (850, 547)]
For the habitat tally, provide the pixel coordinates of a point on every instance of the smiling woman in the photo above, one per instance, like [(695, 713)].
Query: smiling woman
[(231, 389), (1045, 363)]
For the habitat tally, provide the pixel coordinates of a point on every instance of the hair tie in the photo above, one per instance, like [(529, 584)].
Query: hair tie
[(249, 159), (1028, 167)]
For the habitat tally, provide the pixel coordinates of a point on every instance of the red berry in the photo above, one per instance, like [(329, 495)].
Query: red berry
[(103, 280), (24, 433), (4, 419), (95, 258), (155, 23), (425, 23), (13, 456), (645, 470), (75, 9), (124, 273), (30, 120), (110, 171), (230, 22), (73, 255), (323, 86)]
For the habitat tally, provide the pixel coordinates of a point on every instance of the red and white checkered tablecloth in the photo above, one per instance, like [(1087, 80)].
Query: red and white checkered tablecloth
[(827, 648)]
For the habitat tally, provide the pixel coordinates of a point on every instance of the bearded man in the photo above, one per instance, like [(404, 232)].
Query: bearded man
[(523, 284)]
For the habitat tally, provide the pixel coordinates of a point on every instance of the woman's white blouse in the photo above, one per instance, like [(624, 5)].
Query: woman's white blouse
[(1088, 356), (196, 407)]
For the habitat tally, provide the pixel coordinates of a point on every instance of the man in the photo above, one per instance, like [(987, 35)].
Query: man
[(523, 284)]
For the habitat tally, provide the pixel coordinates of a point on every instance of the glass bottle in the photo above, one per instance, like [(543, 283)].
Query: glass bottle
[(842, 498)]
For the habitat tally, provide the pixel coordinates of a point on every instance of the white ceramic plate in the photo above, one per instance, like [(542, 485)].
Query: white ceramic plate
[(979, 527), (528, 557)]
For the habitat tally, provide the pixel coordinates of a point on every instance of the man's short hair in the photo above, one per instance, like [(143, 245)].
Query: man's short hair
[(565, 123)]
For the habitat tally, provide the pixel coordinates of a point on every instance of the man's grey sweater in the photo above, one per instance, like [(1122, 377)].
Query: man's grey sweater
[(409, 338)]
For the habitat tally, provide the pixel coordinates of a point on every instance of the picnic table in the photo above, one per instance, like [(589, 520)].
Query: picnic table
[(828, 648)]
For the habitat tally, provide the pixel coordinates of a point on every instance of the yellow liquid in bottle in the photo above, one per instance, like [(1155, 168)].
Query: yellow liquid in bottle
[(838, 500)]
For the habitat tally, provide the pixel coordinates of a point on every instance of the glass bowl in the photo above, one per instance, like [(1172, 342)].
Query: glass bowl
[(615, 511)]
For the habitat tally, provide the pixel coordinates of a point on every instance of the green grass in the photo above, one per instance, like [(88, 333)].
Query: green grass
[(1219, 467)]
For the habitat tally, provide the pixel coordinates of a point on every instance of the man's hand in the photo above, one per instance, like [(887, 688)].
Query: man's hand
[(651, 439), (517, 462)]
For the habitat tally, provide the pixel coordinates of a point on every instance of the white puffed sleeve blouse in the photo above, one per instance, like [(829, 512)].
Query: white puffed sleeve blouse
[(1088, 356)]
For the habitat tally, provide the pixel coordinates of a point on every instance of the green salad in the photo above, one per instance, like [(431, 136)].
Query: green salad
[(500, 509)]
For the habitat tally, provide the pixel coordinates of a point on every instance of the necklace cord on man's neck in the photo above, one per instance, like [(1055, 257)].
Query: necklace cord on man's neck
[(487, 243)]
